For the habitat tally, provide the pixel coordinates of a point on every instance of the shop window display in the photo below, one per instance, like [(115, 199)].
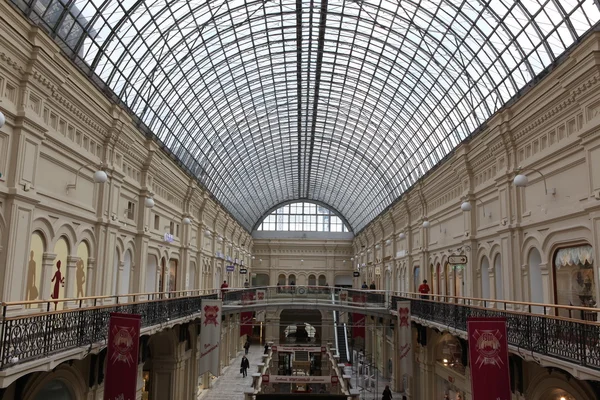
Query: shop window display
[(575, 281)]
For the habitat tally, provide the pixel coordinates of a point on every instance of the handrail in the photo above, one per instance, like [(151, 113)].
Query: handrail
[(335, 334), (545, 305), (91, 308), (512, 312), (102, 297), (346, 340)]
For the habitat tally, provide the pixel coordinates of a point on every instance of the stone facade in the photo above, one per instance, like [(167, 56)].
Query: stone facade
[(511, 235)]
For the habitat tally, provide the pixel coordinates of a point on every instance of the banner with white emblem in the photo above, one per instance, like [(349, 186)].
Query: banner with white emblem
[(210, 336), (405, 345), (488, 358)]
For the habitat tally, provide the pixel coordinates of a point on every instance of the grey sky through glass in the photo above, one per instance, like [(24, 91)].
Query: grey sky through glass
[(347, 103)]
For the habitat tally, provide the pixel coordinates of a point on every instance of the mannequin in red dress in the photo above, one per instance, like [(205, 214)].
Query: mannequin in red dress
[(58, 280)]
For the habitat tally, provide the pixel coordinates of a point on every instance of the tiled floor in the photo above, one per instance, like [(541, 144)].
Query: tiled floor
[(230, 385)]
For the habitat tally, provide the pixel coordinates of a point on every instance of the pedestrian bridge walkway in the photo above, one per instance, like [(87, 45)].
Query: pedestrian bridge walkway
[(371, 302)]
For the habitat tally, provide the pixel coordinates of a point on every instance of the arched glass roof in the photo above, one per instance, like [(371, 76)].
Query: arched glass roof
[(345, 102)]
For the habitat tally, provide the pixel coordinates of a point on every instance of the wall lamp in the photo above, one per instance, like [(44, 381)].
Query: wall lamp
[(402, 236), (521, 180), (99, 176), (466, 206), (2, 119), (187, 221), (149, 201), (427, 224)]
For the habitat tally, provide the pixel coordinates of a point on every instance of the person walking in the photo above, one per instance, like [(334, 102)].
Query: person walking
[(424, 290), (244, 367), (266, 348), (387, 393), (247, 346), (364, 285), (372, 287)]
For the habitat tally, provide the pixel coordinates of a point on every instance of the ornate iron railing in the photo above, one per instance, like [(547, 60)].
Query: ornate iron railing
[(572, 340), (34, 336)]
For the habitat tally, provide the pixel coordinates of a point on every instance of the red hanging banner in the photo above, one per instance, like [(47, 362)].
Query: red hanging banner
[(488, 358), (358, 319), (246, 323), (122, 356)]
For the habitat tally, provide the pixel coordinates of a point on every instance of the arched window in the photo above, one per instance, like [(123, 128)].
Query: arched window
[(312, 280), (281, 279), (303, 216), (322, 280), (292, 279)]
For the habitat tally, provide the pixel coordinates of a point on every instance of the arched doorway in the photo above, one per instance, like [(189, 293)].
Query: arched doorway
[(161, 276), (34, 267), (55, 390), (261, 280), (81, 267), (125, 274), (485, 278), (536, 291), (151, 271), (61, 249), (416, 279), (300, 326), (499, 278)]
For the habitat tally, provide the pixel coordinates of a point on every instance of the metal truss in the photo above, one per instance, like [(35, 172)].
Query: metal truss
[(347, 103)]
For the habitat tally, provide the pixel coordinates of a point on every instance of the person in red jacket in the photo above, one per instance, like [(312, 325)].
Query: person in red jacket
[(224, 287), (424, 290)]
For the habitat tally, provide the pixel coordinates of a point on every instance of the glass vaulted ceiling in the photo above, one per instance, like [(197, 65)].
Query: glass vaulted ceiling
[(343, 102)]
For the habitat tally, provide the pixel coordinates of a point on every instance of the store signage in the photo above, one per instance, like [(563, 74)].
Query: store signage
[(356, 274), (377, 270), (243, 271), (274, 348), (122, 356), (488, 358), (265, 378), (230, 268), (323, 349), (457, 259), (300, 379), (291, 349), (168, 237), (334, 380)]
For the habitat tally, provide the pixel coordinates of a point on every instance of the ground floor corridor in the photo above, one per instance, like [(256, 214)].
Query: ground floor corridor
[(230, 385)]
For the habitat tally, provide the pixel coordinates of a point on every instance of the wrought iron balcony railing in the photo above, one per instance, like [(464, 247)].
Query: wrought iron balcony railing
[(576, 340), (36, 334)]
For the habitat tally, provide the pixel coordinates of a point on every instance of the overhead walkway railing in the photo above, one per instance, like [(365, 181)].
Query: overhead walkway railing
[(34, 330), (567, 333), (313, 295)]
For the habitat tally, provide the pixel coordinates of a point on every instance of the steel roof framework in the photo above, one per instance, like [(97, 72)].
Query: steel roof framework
[(347, 103)]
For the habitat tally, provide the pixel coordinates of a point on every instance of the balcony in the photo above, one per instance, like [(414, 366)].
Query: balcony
[(544, 334), (82, 327)]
